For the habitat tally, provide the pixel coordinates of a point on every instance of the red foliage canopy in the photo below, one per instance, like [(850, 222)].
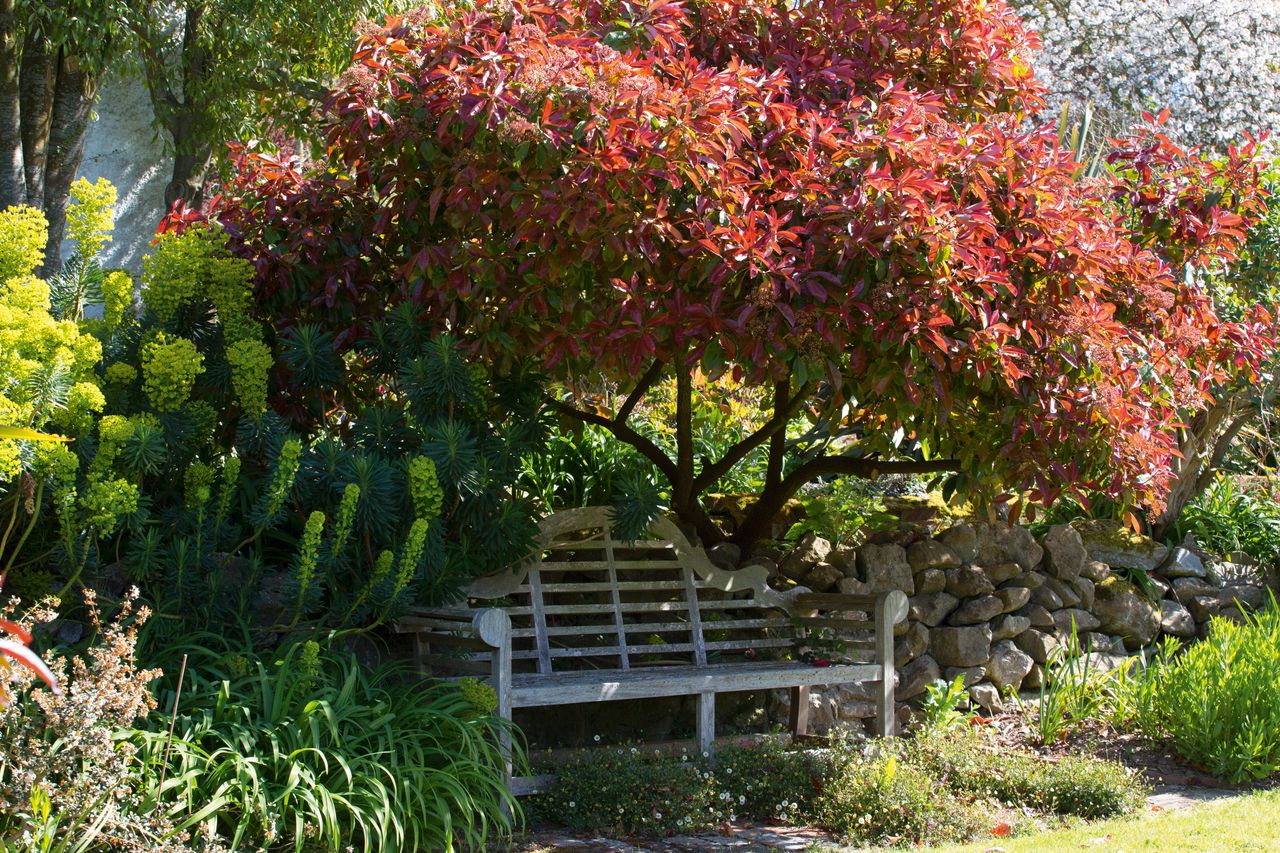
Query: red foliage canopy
[(844, 196)]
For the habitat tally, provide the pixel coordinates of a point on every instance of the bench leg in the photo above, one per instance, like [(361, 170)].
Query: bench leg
[(799, 711), (706, 721)]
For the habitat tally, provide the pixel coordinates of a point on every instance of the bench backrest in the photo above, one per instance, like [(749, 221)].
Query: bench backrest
[(591, 600)]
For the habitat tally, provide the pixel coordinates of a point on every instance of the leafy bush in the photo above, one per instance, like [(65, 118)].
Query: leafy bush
[(1218, 701), (939, 707), (629, 792), (884, 800), (311, 751), (68, 770), (1073, 785), (1226, 518), (939, 787)]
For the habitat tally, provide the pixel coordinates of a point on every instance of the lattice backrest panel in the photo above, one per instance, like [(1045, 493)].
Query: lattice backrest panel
[(590, 600)]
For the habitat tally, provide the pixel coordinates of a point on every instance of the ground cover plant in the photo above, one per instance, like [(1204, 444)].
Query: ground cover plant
[(943, 786)]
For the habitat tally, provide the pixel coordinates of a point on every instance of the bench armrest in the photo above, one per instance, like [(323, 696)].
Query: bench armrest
[(491, 625), (893, 604)]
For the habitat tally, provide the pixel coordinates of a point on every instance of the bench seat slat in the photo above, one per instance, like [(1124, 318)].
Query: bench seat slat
[(608, 685), (601, 565), (654, 648)]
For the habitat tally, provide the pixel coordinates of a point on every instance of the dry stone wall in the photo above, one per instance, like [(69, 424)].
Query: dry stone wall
[(992, 603)]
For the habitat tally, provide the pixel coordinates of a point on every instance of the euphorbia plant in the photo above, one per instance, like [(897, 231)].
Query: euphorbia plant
[(840, 202)]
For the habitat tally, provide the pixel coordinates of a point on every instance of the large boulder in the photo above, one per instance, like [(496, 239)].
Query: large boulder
[(1046, 598), (984, 608), (1204, 607), (962, 540), (1009, 626), (1037, 644), (1126, 612), (1086, 589), (968, 581), (1185, 589), (916, 676), (845, 558), (931, 554), (1009, 665), (963, 647), (1251, 596), (1182, 563), (1120, 548), (1095, 571), (1066, 592), (931, 580), (913, 643), (971, 674), (1002, 543), (1064, 552), (1038, 614), (809, 551), (1083, 620), (885, 568), (1027, 580), (822, 577), (1012, 598), (1175, 619), (1001, 572), (932, 607)]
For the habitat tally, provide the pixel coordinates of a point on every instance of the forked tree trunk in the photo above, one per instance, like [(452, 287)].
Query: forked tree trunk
[(13, 186)]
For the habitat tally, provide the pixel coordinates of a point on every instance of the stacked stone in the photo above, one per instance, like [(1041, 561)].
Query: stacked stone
[(992, 604)]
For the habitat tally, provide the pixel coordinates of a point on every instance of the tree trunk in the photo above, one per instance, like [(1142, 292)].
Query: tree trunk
[(191, 161), (73, 99), (39, 77), (13, 185)]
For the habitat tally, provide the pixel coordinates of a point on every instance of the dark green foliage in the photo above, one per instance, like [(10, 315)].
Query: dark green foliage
[(1225, 518), (942, 787), (1072, 785), (309, 750)]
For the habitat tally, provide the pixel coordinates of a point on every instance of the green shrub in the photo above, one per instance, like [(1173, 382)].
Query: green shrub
[(771, 781), (625, 791), (1224, 518), (1073, 785), (885, 800), (1218, 701), (313, 751)]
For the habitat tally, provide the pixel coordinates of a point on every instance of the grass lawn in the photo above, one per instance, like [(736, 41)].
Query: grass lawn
[(1250, 822)]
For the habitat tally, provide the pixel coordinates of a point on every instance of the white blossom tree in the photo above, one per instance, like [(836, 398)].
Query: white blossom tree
[(1214, 63)]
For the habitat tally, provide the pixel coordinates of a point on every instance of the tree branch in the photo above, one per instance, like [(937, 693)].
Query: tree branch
[(772, 500), (624, 433), (647, 381), (739, 451)]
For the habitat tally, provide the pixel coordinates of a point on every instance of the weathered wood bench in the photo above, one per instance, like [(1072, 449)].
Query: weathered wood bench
[(594, 619)]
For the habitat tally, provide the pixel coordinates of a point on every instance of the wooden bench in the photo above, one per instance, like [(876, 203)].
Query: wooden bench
[(591, 618)]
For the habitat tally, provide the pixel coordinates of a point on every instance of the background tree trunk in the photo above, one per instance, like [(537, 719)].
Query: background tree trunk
[(73, 99), (13, 185), (39, 77), (191, 162)]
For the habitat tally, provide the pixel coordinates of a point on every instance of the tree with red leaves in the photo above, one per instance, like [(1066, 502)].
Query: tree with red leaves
[(842, 201)]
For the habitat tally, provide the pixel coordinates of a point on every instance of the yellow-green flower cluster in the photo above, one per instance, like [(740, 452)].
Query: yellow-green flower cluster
[(113, 431), (84, 400), (424, 488), (169, 369), (250, 361), (346, 517), (479, 694), (91, 216), (197, 483), (117, 297), (105, 502), (282, 478), (230, 479), (23, 234), (174, 273), (414, 546), (309, 554), (121, 374)]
